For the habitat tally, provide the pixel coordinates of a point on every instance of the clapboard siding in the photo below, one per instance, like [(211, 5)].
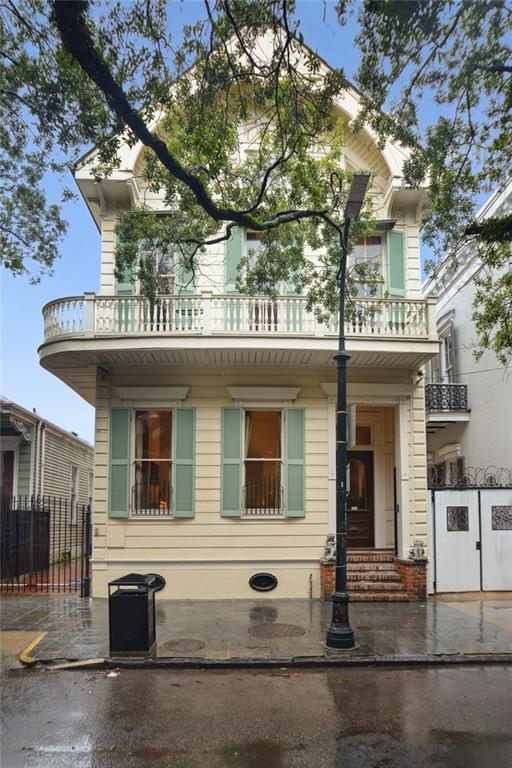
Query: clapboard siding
[(24, 456), (58, 455)]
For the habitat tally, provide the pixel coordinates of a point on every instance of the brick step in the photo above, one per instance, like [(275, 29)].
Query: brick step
[(373, 567), (372, 576), (378, 597), (376, 558), (376, 586)]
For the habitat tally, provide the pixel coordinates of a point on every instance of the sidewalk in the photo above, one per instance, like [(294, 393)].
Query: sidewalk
[(264, 632)]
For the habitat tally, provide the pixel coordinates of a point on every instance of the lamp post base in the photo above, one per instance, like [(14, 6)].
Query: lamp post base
[(340, 634)]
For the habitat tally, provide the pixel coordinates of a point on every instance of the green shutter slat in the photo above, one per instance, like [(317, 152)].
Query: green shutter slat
[(184, 278), (233, 256), (231, 462), (184, 485), (396, 265), (294, 310), (295, 451), (119, 474)]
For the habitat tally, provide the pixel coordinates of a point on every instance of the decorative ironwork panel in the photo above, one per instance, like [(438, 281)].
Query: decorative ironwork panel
[(446, 397), (501, 518), (468, 477), (457, 518)]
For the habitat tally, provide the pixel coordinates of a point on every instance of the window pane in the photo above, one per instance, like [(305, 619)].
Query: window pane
[(153, 434), (152, 488), (357, 498), (363, 435), (263, 434)]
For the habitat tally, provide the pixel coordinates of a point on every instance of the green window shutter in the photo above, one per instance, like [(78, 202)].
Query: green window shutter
[(184, 451), (231, 462), (119, 469), (295, 451), (396, 265), (232, 259)]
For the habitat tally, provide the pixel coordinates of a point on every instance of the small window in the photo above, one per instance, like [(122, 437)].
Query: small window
[(73, 494), (363, 435), (263, 493), (152, 466), (91, 485)]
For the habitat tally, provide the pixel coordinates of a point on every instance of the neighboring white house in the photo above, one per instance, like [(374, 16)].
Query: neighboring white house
[(468, 402), (215, 416), (39, 458)]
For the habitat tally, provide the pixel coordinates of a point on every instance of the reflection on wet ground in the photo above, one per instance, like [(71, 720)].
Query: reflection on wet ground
[(458, 717), (77, 628)]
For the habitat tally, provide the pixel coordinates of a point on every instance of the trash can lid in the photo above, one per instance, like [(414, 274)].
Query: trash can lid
[(134, 580)]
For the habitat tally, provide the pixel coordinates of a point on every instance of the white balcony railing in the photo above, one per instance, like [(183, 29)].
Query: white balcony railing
[(208, 314)]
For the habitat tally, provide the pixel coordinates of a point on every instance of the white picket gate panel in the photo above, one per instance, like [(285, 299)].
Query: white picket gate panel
[(496, 511)]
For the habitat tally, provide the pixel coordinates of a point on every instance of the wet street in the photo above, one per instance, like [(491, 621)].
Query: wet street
[(353, 718)]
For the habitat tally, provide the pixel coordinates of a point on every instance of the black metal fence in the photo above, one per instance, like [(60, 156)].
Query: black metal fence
[(152, 499), (45, 545), (263, 497)]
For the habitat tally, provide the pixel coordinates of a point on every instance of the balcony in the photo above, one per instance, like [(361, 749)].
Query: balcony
[(208, 314), (445, 404), (84, 332)]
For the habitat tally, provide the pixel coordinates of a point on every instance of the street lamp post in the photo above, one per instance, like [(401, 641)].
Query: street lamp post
[(340, 634)]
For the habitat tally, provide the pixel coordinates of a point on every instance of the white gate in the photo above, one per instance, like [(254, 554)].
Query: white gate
[(472, 539)]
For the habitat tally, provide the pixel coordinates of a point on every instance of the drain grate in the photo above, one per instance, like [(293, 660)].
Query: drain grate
[(276, 630), (183, 645)]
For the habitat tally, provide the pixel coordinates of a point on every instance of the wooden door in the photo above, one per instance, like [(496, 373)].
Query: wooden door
[(360, 508)]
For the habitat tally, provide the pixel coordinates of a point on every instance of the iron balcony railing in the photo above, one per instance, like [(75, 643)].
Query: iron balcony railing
[(446, 397), (151, 500), (263, 497), (208, 314)]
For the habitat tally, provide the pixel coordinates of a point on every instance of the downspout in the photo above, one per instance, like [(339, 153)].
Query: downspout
[(43, 448), (37, 462)]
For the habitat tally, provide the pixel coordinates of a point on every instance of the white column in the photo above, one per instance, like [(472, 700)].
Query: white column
[(402, 463), (331, 436), (206, 301)]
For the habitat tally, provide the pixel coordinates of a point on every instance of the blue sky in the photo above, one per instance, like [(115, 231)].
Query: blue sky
[(22, 379)]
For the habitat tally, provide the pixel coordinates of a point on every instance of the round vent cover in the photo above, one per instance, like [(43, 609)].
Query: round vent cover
[(160, 582), (263, 582)]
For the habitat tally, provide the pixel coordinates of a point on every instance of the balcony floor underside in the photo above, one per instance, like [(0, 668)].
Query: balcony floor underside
[(75, 360)]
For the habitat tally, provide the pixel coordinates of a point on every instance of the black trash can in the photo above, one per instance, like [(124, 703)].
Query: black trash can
[(131, 604)]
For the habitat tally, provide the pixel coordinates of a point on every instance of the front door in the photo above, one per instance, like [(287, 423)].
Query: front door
[(7, 473), (360, 511)]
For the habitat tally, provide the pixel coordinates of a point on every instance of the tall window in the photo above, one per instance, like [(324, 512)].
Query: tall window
[(263, 313), (165, 270), (365, 264), (152, 464), (263, 462)]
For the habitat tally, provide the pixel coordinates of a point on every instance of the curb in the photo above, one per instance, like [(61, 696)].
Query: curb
[(25, 656), (296, 662)]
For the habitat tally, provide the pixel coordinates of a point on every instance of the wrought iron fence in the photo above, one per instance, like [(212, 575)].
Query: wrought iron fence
[(456, 476), (263, 497), (151, 499), (446, 397), (45, 545)]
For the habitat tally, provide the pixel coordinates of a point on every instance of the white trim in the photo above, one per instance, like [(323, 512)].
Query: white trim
[(447, 416), (150, 394), (263, 396), (371, 393)]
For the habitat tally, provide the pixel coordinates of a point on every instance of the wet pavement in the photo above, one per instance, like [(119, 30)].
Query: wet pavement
[(458, 717), (225, 630)]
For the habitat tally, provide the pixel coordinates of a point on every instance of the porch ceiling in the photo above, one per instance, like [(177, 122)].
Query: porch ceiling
[(74, 361)]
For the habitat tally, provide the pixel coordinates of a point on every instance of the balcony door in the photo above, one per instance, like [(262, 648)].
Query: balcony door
[(360, 502)]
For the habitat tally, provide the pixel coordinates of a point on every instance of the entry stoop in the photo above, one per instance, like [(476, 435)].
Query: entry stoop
[(377, 576), (372, 576)]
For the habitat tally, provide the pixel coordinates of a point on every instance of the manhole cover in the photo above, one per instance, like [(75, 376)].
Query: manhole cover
[(183, 645), (276, 630)]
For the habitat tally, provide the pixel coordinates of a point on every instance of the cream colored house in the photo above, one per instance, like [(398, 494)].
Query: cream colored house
[(215, 415)]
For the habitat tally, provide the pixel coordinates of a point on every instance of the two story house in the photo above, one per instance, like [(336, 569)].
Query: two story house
[(215, 411)]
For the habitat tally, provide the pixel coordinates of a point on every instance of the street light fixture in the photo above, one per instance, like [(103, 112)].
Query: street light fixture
[(340, 634)]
